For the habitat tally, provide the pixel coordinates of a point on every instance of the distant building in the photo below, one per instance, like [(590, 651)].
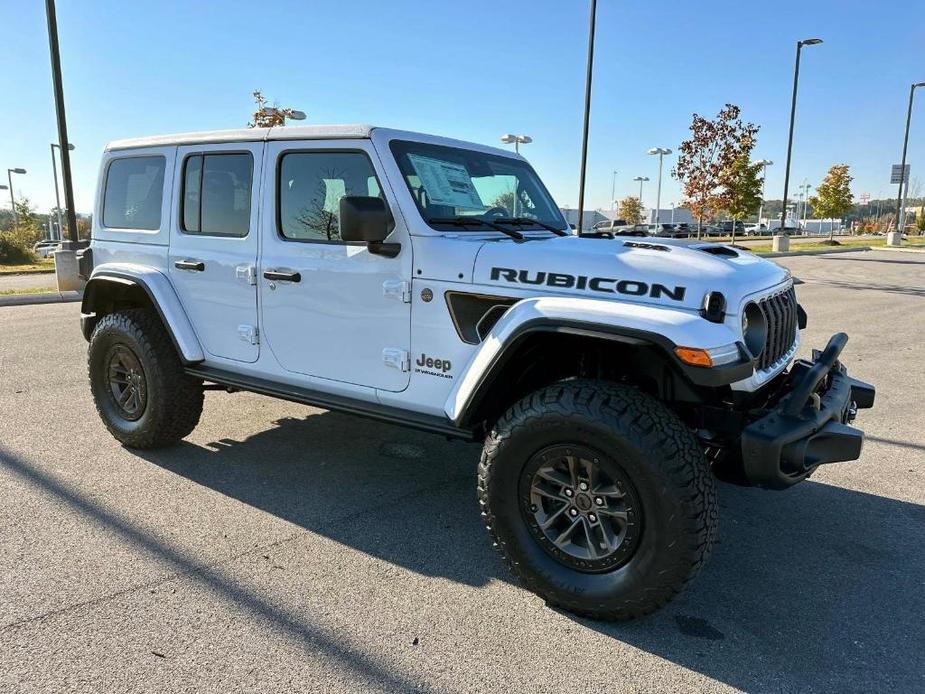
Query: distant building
[(681, 215), (589, 218)]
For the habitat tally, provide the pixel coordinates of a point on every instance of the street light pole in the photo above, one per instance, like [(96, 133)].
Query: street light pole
[(903, 184), (71, 243), (641, 179), (793, 111), (517, 140), (805, 188), (9, 177), (54, 169), (587, 116), (765, 163), (613, 192), (661, 152)]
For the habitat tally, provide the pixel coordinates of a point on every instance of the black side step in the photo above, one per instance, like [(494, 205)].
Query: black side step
[(327, 401)]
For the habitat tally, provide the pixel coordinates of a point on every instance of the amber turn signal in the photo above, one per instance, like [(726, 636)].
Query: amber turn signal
[(694, 356)]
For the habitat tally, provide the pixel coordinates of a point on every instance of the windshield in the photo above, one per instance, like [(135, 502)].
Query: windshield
[(465, 190)]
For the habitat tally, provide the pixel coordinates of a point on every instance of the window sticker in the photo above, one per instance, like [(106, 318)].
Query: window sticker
[(446, 183)]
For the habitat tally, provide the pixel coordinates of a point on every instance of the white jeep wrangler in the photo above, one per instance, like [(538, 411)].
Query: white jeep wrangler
[(435, 284)]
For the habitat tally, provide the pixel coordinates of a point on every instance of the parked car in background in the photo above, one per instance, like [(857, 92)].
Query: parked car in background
[(726, 228), (756, 229), (670, 231), (45, 248), (609, 224)]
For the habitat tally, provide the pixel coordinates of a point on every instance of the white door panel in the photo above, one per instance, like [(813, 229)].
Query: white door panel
[(342, 320), (209, 269)]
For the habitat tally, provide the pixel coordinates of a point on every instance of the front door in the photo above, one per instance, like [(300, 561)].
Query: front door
[(331, 309), (213, 245)]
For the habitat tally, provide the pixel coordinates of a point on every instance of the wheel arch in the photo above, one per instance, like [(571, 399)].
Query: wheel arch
[(116, 287), (564, 341)]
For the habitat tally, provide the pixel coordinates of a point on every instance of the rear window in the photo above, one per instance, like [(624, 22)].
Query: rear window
[(217, 194), (134, 192)]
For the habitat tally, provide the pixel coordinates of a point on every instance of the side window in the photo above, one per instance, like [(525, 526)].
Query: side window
[(217, 194), (311, 185), (134, 191)]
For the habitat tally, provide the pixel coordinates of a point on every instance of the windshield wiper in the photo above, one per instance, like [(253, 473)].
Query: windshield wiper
[(526, 221), (462, 221)]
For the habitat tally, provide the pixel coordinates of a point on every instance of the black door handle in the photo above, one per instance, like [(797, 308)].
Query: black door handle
[(280, 276), (195, 265)]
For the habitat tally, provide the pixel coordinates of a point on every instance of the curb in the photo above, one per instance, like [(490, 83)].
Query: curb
[(41, 298), (834, 249), (901, 249), (4, 273)]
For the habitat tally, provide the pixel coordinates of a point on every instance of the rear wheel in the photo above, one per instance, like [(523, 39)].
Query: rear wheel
[(140, 389), (598, 497)]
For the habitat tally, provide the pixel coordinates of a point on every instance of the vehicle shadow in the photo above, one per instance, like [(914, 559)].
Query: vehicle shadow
[(818, 587)]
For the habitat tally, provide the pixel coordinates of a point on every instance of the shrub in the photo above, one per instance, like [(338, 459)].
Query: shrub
[(16, 245)]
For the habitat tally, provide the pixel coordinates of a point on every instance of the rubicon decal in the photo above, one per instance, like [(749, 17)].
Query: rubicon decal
[(607, 285)]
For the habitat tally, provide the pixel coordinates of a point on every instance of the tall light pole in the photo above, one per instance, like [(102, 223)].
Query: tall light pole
[(765, 163), (587, 116), (54, 169), (641, 179), (793, 111), (672, 213), (661, 152), (9, 177), (518, 140), (70, 244), (805, 188), (613, 191), (903, 184)]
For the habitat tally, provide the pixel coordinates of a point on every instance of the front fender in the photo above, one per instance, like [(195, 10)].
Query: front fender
[(159, 291), (640, 324)]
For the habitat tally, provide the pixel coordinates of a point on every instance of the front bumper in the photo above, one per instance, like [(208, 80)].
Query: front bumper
[(808, 425)]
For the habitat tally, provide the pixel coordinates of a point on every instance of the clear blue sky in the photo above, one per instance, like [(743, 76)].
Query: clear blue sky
[(475, 70)]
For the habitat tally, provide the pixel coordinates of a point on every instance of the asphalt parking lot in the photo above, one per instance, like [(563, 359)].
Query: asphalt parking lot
[(282, 548)]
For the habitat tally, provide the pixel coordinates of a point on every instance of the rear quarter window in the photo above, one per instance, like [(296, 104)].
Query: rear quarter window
[(134, 193)]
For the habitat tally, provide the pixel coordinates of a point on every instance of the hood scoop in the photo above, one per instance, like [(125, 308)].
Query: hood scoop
[(719, 250)]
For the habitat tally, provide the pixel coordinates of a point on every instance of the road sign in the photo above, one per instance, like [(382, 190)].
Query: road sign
[(864, 198), (896, 175)]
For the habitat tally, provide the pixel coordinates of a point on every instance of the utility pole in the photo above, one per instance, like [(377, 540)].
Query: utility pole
[(793, 111), (69, 244), (584, 136), (903, 183)]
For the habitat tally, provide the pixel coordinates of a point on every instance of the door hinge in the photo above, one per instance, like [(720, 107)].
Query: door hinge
[(397, 289), (248, 273), (397, 358), (248, 333)]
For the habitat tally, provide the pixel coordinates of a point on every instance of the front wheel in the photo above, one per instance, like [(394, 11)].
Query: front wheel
[(598, 497)]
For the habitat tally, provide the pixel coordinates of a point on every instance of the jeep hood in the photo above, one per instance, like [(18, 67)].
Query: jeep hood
[(675, 273)]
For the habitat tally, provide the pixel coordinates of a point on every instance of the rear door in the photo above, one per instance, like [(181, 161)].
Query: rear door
[(213, 245)]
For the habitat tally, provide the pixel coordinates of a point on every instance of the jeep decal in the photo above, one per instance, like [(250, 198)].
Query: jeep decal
[(607, 285)]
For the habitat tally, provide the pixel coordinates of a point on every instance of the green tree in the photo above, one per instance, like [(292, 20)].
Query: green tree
[(741, 189), (631, 210), (712, 148), (920, 221), (833, 196)]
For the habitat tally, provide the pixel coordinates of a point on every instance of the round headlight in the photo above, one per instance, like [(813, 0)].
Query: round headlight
[(754, 329)]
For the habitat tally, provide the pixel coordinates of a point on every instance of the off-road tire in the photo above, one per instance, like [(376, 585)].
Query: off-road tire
[(173, 402), (661, 458)]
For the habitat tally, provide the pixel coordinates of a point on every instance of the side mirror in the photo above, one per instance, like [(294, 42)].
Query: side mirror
[(367, 219)]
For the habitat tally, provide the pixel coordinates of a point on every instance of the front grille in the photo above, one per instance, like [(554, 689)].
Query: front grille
[(780, 313)]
